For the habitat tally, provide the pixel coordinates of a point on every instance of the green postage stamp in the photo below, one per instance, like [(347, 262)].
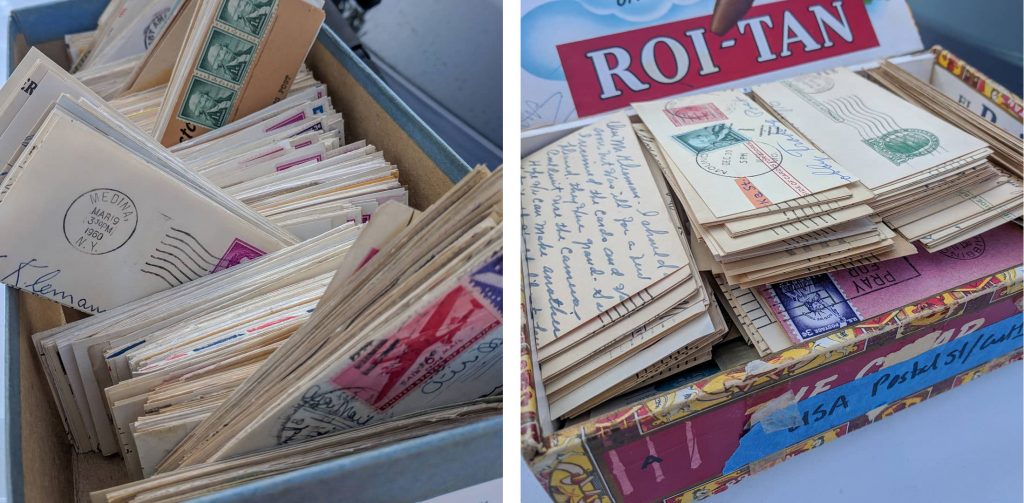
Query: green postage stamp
[(248, 16), (206, 103), (226, 56), (710, 138), (902, 145)]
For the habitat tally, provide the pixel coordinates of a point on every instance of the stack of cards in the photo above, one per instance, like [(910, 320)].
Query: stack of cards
[(763, 202), (913, 161), (614, 298), (411, 321), (774, 317), (1007, 150)]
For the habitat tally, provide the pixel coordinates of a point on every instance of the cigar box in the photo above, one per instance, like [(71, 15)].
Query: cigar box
[(695, 440)]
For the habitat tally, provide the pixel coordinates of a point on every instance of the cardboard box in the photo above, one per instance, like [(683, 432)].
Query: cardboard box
[(42, 466), (691, 442)]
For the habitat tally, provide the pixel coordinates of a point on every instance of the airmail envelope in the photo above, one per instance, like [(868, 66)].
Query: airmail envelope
[(91, 225)]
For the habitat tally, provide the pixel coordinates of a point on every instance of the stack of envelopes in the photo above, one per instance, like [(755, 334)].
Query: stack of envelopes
[(368, 329), (85, 358), (119, 209), (193, 482), (1007, 149), (614, 298), (410, 321), (926, 174), (765, 203), (125, 29), (289, 161), (775, 316)]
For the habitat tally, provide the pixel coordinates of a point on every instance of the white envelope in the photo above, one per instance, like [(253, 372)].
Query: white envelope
[(93, 226)]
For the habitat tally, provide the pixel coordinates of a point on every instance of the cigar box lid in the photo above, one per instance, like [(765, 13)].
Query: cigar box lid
[(585, 58)]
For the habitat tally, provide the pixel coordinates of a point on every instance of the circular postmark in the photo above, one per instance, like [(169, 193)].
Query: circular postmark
[(968, 249), (746, 159), (813, 84), (100, 221)]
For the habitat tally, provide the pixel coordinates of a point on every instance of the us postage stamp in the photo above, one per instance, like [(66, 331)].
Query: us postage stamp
[(239, 251), (710, 138), (694, 114), (387, 369), (814, 305), (902, 145), (249, 16), (207, 104), (226, 56)]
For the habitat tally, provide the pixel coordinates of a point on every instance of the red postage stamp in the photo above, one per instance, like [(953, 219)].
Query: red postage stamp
[(694, 114), (387, 369)]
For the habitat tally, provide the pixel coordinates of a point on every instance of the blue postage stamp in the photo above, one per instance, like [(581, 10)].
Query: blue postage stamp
[(487, 282), (814, 305)]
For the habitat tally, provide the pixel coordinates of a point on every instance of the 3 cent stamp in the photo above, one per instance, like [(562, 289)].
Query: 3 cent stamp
[(207, 104), (226, 56), (249, 16)]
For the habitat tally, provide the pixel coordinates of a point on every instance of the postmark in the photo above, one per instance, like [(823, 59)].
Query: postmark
[(710, 138), (322, 411), (100, 221), (226, 56), (968, 249), (207, 104), (814, 305), (239, 251), (248, 16), (694, 114), (152, 29), (814, 83), (742, 160), (904, 144)]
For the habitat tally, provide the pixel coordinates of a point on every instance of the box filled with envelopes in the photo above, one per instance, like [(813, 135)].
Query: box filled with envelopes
[(783, 290), (310, 159)]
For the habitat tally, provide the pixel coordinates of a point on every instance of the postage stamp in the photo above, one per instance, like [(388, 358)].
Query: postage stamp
[(904, 144), (100, 221), (710, 138), (814, 305), (207, 104), (226, 56), (387, 369), (239, 251), (249, 16), (694, 114)]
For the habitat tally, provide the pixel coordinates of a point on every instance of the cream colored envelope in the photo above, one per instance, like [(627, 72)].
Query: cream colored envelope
[(871, 132), (94, 226), (739, 156)]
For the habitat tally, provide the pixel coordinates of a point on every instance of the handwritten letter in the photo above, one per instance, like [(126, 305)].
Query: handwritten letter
[(595, 228)]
